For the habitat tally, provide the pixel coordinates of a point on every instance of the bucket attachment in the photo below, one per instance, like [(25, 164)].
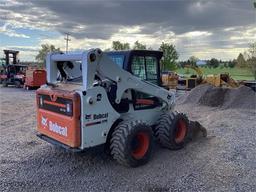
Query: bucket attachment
[(195, 130)]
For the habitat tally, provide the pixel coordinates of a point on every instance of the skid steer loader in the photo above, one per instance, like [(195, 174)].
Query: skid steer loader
[(115, 98)]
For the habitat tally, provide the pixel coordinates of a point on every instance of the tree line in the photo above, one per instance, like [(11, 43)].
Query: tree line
[(169, 61), (211, 63), (169, 58)]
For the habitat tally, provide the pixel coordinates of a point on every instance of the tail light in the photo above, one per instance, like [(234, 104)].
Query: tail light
[(40, 101), (68, 108)]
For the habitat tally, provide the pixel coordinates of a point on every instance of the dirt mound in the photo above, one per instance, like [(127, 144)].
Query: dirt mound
[(242, 97), (214, 97), (194, 95)]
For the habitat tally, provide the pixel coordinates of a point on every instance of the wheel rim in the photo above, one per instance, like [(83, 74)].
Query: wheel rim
[(180, 131), (140, 145)]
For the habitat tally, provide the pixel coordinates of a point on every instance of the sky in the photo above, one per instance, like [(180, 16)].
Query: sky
[(202, 28)]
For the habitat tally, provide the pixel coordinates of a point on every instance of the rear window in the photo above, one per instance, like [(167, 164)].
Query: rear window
[(118, 59)]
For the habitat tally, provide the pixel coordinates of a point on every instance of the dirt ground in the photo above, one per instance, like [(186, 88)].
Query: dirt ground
[(224, 161)]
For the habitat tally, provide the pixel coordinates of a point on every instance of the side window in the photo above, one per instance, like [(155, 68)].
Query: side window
[(151, 69), (138, 67)]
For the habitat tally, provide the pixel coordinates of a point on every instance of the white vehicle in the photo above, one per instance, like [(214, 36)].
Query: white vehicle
[(114, 98)]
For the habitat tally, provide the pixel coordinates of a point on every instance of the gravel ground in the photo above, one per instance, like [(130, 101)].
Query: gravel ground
[(224, 161)]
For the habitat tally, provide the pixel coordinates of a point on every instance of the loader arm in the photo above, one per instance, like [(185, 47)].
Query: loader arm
[(125, 80)]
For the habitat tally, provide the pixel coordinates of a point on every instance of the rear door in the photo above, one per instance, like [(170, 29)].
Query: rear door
[(58, 116)]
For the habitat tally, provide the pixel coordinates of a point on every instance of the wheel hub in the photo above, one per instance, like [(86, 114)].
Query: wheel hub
[(140, 145), (180, 131)]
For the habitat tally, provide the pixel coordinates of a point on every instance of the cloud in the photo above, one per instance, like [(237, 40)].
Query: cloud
[(23, 48), (6, 29), (244, 34), (133, 29), (193, 34), (100, 19), (27, 53), (205, 26)]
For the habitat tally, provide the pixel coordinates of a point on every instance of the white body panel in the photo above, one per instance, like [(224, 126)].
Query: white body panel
[(96, 118)]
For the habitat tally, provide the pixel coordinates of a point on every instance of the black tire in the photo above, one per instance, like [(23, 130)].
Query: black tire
[(131, 143), (171, 130), (17, 84), (5, 83)]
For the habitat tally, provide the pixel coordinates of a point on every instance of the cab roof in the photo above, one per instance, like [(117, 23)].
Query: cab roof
[(128, 53)]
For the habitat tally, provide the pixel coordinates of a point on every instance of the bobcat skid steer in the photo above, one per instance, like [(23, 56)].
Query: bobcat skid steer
[(114, 98)]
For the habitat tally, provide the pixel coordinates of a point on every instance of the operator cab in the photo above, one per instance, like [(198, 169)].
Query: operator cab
[(144, 64), (16, 69)]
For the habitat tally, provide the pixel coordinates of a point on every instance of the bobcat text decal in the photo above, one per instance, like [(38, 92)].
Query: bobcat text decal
[(89, 117), (54, 127), (102, 118)]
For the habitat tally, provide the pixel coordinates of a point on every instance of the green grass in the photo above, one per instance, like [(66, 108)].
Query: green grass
[(236, 73)]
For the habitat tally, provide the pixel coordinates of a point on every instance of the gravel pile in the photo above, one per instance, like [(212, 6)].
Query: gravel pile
[(225, 98), (193, 96)]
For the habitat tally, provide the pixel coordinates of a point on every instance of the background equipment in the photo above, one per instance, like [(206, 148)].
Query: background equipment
[(12, 73), (34, 78)]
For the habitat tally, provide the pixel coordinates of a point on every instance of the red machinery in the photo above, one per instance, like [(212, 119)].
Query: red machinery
[(35, 78), (2, 77), (12, 72)]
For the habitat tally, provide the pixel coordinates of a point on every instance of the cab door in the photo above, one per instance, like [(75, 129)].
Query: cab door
[(147, 69)]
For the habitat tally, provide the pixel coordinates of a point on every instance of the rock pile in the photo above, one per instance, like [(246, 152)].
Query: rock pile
[(208, 95)]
